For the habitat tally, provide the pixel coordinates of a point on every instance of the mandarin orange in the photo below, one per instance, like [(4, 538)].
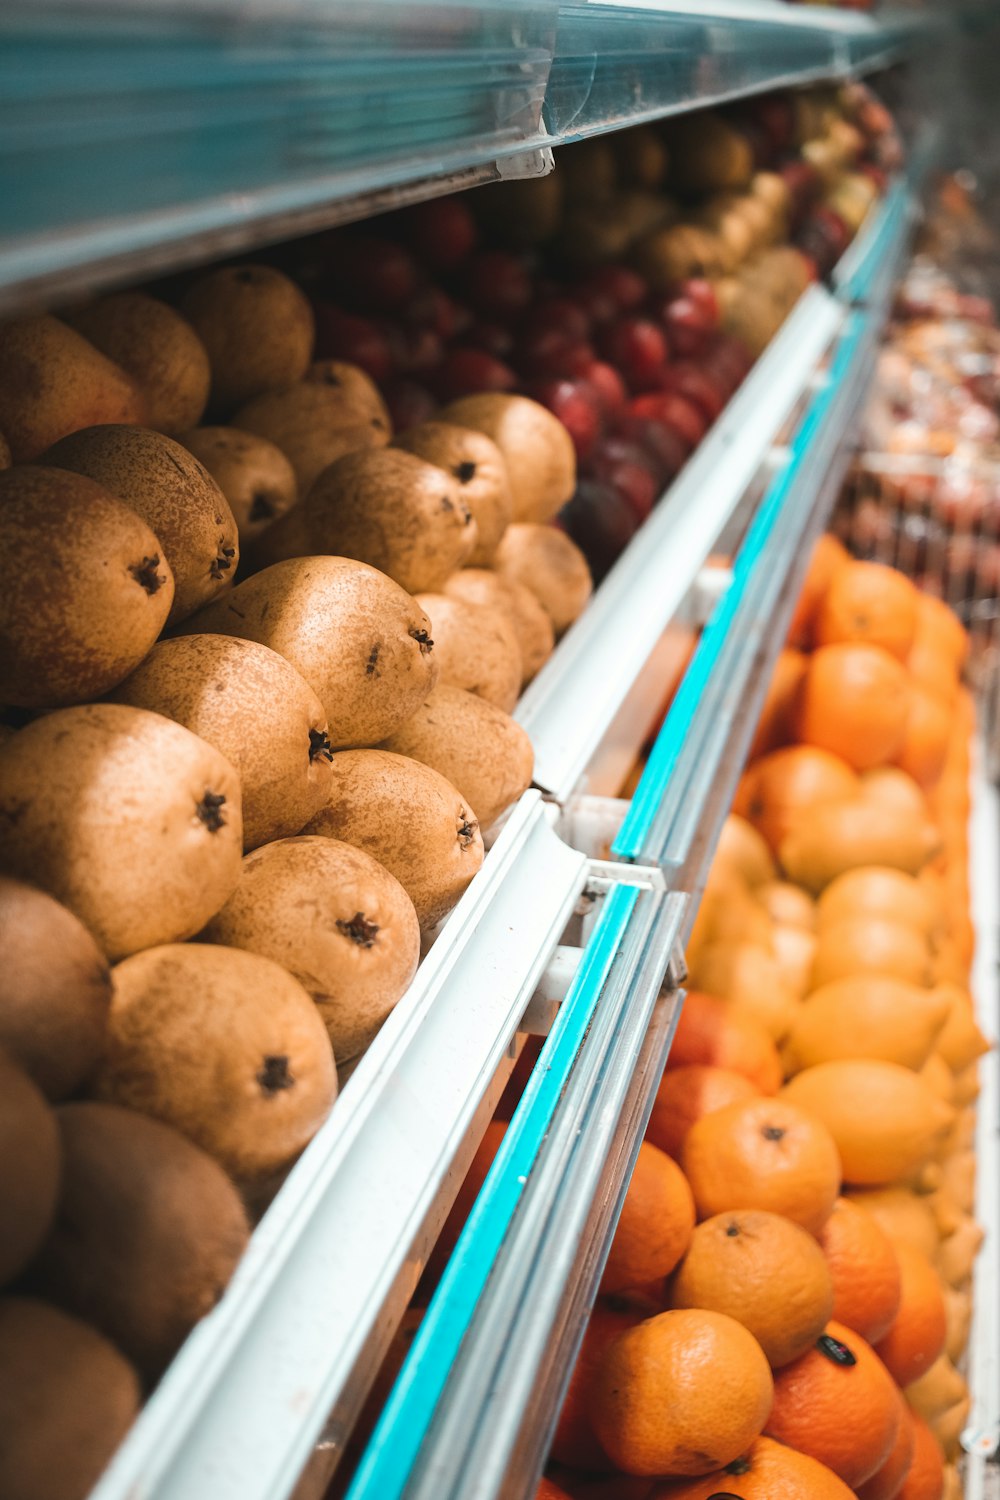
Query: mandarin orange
[(864, 1269), (917, 1334), (655, 1225), (685, 1094), (707, 1033), (767, 1471)]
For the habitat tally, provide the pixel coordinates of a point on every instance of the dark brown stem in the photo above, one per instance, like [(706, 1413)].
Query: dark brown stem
[(209, 810), (359, 930), (146, 576), (275, 1075)]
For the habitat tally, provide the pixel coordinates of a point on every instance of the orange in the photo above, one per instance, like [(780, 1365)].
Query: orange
[(938, 624), (887, 1481), (869, 603), (548, 1491), (853, 701), (685, 1094), (894, 788), (828, 557), (620, 1487), (933, 670), (867, 1015), (779, 788), (749, 977), (764, 1271), (878, 891), (838, 1404), (573, 1442), (884, 1120), (925, 1481), (774, 726), (707, 1033), (925, 743), (764, 1153), (742, 848), (864, 1270), (767, 1471), (655, 1226), (917, 1334), (683, 1393), (863, 944)]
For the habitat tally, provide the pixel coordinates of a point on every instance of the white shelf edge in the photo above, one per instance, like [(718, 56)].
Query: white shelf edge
[(239, 1411), (570, 705)]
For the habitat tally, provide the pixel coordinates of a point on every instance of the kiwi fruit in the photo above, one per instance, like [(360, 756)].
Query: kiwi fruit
[(536, 638), (356, 637), (337, 920), (127, 818), (313, 424), (158, 348), (67, 1398), (147, 1233), (409, 818), (257, 327), (387, 508), (255, 476), (55, 989), (84, 588), (477, 747), (29, 1169), (476, 648), (477, 463), (225, 1046), (537, 449), (167, 486), (53, 382), (552, 566), (252, 705)]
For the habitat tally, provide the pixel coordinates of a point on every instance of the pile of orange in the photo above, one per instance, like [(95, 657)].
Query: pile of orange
[(789, 1290)]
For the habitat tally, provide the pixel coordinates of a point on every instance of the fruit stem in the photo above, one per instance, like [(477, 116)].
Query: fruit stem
[(223, 562), (359, 930), (319, 746), (275, 1075), (423, 640), (209, 810), (146, 576)]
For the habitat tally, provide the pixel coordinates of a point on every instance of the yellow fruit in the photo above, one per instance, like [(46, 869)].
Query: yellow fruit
[(878, 891), (938, 1077), (743, 848), (750, 978), (861, 944), (961, 1042), (958, 1252), (870, 1015), (794, 951), (787, 905), (937, 1389), (906, 1216), (949, 1425), (958, 1308)]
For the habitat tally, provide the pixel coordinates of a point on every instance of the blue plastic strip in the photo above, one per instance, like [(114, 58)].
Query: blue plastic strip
[(634, 832), (392, 1452)]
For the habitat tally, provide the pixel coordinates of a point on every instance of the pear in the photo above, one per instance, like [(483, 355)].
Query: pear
[(29, 1169), (478, 465), (5, 454), (55, 989), (386, 508), (337, 920), (148, 1231), (476, 648), (255, 476), (223, 1045), (52, 382), (409, 818), (67, 1398), (84, 588), (158, 348), (258, 330), (164, 484), (127, 818), (314, 424), (353, 387), (552, 566), (252, 705), (472, 744), (537, 449), (536, 638), (360, 642)]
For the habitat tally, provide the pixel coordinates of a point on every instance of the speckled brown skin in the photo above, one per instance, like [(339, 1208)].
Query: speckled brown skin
[(409, 818), (552, 566), (53, 381), (477, 463), (354, 389), (536, 638), (113, 811), (167, 486), (335, 919), (55, 989), (258, 329), (476, 648), (5, 458), (67, 1398), (252, 705), (387, 508), (223, 1045), (85, 588), (29, 1169), (477, 747), (358, 639), (158, 348), (537, 449), (148, 1231), (255, 476), (313, 424)]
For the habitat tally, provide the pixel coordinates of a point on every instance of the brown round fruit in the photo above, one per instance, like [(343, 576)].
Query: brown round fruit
[(477, 463), (537, 449)]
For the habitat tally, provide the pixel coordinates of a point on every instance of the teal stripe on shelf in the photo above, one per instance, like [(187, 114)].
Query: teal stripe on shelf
[(393, 1450)]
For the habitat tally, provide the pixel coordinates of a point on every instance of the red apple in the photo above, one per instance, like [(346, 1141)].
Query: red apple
[(409, 403), (380, 275), (577, 407), (611, 290), (776, 117), (609, 387), (666, 449), (803, 184), (441, 231), (696, 384), (497, 283), (601, 523), (675, 412), (631, 471), (467, 372), (552, 351), (688, 330), (415, 350), (554, 313), (637, 348), (495, 338), (432, 308), (341, 335)]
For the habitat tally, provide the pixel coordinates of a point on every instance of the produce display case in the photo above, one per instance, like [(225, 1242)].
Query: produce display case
[(247, 128)]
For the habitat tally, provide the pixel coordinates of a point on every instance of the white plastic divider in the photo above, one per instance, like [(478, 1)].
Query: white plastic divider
[(981, 1438), (570, 705), (318, 1295)]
